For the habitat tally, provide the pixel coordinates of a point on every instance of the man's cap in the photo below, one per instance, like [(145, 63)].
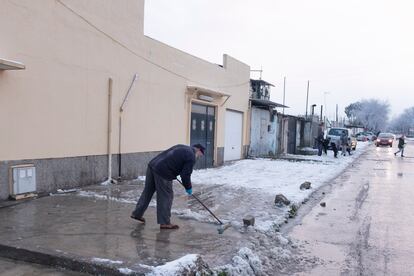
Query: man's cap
[(200, 147)]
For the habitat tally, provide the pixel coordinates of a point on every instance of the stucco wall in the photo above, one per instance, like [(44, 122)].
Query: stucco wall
[(58, 106)]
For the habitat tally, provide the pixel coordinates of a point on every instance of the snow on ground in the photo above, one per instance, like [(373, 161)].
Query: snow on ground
[(277, 176), (249, 187), (176, 267), (104, 196), (100, 260), (262, 179)]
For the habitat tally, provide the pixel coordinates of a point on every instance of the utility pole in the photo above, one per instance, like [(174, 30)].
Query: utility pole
[(257, 70), (321, 115), (307, 99), (324, 104), (336, 113), (284, 93)]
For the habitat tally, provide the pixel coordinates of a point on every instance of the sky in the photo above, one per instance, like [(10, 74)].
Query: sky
[(348, 50)]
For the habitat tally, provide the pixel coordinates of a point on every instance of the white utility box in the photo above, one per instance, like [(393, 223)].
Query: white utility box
[(23, 179)]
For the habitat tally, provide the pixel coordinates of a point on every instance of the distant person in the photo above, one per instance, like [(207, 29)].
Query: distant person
[(161, 171), (320, 138), (325, 145), (344, 143), (349, 146), (401, 145), (334, 148)]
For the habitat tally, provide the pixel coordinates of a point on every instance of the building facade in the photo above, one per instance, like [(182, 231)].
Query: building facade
[(93, 97), (265, 126)]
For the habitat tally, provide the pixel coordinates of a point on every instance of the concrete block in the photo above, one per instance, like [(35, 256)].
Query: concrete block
[(305, 185), (248, 221)]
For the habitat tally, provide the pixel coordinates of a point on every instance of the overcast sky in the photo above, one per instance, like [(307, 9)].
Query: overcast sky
[(348, 50)]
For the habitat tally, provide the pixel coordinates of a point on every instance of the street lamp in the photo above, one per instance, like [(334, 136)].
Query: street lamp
[(313, 109)]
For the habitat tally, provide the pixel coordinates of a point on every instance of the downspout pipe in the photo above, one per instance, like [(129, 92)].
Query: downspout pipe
[(121, 110), (110, 180)]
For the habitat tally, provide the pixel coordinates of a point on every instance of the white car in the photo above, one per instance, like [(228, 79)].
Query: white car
[(335, 135)]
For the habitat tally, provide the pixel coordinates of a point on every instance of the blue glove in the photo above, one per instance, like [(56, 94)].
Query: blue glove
[(189, 191)]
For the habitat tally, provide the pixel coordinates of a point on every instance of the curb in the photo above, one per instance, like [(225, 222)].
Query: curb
[(65, 262)]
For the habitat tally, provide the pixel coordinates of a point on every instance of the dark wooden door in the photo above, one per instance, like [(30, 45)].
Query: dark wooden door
[(202, 132), (291, 146)]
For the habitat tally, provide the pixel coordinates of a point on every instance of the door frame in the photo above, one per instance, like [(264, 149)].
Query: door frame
[(215, 106), (242, 129)]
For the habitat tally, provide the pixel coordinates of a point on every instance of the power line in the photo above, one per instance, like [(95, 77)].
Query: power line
[(140, 56)]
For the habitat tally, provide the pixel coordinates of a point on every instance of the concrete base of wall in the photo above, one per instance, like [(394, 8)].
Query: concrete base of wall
[(220, 156), (70, 172), (246, 150)]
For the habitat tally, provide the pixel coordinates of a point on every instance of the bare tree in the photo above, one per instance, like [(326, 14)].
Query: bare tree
[(372, 114), (404, 122)]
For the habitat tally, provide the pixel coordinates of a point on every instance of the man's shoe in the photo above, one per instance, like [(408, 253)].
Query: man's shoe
[(142, 220), (169, 226)]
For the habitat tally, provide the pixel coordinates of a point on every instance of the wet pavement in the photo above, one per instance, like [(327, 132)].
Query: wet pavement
[(16, 268), (91, 231), (75, 230), (367, 225)]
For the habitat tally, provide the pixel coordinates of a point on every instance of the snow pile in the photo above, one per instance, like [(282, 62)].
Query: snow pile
[(244, 263), (99, 260), (187, 265), (104, 196), (126, 271), (189, 214)]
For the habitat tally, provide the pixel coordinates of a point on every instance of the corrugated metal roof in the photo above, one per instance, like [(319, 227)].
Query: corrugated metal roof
[(267, 103)]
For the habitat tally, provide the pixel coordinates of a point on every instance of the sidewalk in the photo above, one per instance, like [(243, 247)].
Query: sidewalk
[(98, 237), (13, 268)]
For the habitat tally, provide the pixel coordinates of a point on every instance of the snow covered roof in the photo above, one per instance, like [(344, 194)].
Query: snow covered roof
[(261, 82), (266, 103)]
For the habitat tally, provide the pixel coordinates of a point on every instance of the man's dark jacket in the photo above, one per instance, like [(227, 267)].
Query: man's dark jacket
[(401, 142), (177, 160)]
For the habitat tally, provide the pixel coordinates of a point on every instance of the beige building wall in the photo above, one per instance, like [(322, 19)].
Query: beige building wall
[(57, 106)]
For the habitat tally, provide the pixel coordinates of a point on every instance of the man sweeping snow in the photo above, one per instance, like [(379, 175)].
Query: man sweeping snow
[(161, 171)]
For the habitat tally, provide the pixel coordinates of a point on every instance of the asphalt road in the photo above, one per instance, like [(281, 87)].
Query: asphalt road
[(367, 225)]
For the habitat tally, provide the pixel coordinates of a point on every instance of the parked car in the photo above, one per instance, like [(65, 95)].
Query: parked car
[(361, 137), (385, 139), (365, 136), (335, 134)]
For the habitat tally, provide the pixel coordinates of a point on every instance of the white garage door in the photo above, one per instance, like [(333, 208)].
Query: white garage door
[(233, 136)]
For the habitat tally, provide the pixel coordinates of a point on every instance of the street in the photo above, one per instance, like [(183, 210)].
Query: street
[(366, 227)]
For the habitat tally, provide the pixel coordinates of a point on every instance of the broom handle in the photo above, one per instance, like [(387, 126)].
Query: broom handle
[(203, 205), (207, 209)]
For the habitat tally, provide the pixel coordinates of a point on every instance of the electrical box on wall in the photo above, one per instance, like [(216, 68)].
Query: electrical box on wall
[(23, 181)]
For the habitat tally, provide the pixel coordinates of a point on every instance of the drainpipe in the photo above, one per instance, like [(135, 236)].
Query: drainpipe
[(250, 129), (110, 180), (121, 109)]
